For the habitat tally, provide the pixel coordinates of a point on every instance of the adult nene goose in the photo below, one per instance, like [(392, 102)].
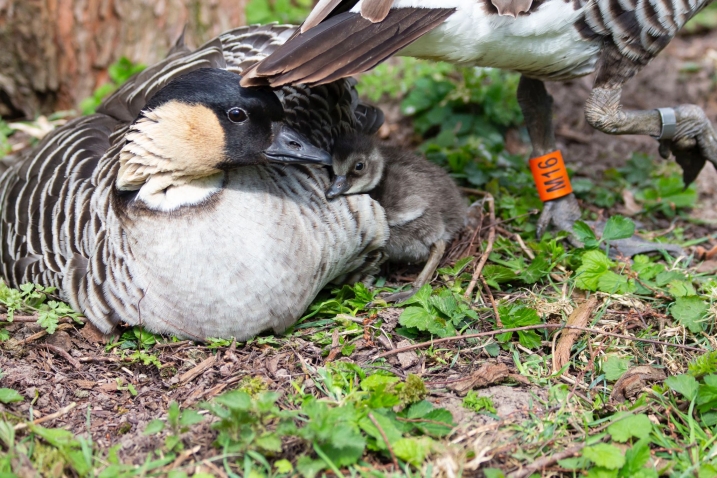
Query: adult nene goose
[(542, 39), (139, 213)]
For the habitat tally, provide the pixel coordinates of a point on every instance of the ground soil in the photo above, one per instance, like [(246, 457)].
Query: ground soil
[(95, 380)]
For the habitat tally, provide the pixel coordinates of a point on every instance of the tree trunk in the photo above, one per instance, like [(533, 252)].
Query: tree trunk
[(54, 53)]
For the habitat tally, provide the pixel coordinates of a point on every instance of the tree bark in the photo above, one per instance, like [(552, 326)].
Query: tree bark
[(54, 53)]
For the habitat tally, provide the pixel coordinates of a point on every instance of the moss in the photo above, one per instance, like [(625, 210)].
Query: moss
[(124, 427), (253, 386), (414, 390)]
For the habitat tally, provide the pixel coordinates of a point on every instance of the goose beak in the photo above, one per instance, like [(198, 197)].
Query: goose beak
[(291, 147), (338, 187)]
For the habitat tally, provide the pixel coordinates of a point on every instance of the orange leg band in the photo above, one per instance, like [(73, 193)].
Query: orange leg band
[(551, 177)]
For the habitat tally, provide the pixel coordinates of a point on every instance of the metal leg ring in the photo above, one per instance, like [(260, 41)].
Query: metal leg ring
[(669, 123)]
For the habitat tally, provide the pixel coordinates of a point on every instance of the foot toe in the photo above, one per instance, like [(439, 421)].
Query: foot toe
[(634, 245), (399, 297)]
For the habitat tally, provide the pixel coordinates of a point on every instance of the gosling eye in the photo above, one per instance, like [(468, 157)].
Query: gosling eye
[(359, 166), (237, 115)]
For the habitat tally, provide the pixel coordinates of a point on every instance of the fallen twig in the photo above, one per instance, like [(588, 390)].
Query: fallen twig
[(532, 327), (547, 461), (385, 439), (47, 418), (101, 359), (580, 318), (492, 302), (475, 192), (199, 369), (20, 319), (63, 353), (335, 347), (522, 245), (41, 334), (171, 345), (214, 468), (29, 319), (489, 248), (184, 456), (33, 337)]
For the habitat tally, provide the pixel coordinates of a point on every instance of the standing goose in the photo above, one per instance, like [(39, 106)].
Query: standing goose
[(164, 208), (541, 39)]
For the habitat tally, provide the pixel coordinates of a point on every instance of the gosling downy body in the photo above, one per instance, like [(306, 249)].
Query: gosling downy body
[(163, 209), (423, 206)]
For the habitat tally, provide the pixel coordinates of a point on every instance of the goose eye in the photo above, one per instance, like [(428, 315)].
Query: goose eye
[(359, 166), (237, 115)]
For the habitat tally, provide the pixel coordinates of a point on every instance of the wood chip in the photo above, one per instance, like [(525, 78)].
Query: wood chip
[(579, 318), (335, 346), (272, 365), (407, 359), (199, 394), (63, 353), (86, 384), (108, 387), (94, 335), (707, 267), (631, 207), (60, 339), (634, 381), (488, 374), (190, 375), (46, 418)]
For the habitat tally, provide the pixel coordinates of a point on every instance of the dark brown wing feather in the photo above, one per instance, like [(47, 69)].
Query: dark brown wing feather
[(344, 45)]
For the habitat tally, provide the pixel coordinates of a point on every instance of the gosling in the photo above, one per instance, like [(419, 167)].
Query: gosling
[(423, 206)]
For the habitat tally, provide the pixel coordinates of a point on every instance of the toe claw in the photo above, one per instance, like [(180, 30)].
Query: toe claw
[(561, 213), (634, 245), (665, 149)]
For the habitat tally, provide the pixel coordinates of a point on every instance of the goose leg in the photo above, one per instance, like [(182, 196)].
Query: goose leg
[(683, 130), (693, 140), (562, 213), (537, 106), (424, 277)]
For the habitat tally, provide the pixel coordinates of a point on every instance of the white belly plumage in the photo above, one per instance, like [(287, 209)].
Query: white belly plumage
[(251, 260), (544, 44)]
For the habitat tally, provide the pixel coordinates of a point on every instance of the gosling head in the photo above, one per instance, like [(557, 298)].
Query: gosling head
[(358, 165), (205, 123)]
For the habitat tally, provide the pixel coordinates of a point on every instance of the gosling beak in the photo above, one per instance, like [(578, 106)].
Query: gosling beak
[(338, 187), (291, 147)]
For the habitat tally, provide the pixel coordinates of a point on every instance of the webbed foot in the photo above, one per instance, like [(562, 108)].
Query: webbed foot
[(399, 297), (562, 214), (634, 245), (695, 141)]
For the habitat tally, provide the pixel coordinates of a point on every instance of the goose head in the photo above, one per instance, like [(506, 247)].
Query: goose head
[(198, 127), (358, 165)]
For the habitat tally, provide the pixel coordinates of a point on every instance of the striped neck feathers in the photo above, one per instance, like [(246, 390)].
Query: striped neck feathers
[(172, 155)]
